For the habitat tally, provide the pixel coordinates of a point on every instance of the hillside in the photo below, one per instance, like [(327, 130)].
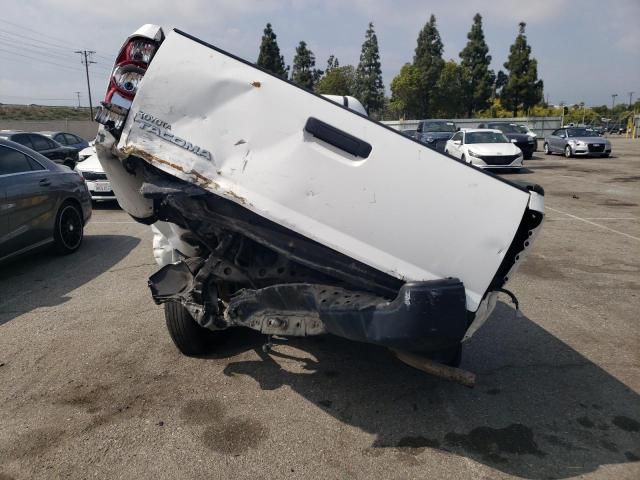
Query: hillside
[(40, 112)]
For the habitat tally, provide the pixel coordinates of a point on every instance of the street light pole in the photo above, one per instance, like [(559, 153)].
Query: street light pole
[(630, 99), (613, 100), (85, 56)]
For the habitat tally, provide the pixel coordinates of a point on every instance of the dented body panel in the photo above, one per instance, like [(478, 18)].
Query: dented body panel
[(238, 132), (277, 194)]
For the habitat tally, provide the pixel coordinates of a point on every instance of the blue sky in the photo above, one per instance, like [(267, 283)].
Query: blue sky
[(586, 50)]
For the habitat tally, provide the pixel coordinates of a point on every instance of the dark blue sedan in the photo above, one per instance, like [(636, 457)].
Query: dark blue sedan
[(67, 139), (41, 202)]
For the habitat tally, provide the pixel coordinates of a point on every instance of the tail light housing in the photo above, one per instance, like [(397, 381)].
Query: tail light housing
[(129, 69)]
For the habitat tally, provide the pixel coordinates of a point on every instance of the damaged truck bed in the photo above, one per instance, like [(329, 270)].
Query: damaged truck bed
[(282, 211)]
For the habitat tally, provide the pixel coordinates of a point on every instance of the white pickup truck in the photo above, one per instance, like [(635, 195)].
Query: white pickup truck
[(292, 214)]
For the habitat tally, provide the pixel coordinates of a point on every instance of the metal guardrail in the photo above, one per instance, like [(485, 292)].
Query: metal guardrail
[(540, 125)]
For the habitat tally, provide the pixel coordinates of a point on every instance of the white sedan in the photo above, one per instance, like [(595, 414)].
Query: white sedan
[(93, 173), (484, 148)]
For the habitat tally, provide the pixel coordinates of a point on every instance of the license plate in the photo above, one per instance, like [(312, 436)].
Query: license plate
[(102, 187)]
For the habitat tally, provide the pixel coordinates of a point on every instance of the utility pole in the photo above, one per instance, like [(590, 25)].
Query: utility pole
[(613, 100), (631, 99), (582, 105), (85, 56), (78, 95)]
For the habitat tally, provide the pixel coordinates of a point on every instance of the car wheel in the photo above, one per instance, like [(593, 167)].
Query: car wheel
[(547, 150), (463, 158), (567, 152), (68, 229), (527, 156), (190, 338)]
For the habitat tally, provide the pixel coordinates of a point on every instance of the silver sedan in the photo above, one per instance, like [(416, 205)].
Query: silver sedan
[(572, 141)]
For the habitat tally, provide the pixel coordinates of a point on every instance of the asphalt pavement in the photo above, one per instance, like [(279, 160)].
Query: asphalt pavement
[(92, 387)]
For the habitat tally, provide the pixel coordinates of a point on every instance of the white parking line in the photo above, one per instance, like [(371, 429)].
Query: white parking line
[(595, 218), (91, 222), (594, 224)]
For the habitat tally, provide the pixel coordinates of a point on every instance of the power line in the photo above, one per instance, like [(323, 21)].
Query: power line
[(62, 47), (56, 39), (18, 48), (22, 55)]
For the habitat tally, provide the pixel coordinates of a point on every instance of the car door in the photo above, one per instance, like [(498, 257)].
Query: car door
[(29, 201), (61, 139), (455, 145), (561, 140), (45, 146)]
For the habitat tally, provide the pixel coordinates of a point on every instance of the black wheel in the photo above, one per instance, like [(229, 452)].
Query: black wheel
[(527, 156), (567, 152), (547, 150), (190, 338), (463, 158), (68, 229)]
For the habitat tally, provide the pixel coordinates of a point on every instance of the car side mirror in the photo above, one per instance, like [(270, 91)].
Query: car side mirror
[(513, 140), (457, 142), (457, 129)]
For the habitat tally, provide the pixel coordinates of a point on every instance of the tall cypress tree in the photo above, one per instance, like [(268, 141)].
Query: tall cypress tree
[(269, 57), (369, 87), (428, 58), (304, 72), (477, 79), (522, 89)]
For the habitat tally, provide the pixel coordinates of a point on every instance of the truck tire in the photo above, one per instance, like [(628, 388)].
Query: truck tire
[(190, 338)]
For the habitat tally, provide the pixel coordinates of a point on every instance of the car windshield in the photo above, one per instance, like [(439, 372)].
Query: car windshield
[(439, 127), (486, 137), (505, 127), (522, 129), (581, 132)]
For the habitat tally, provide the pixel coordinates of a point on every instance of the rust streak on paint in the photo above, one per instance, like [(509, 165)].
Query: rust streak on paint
[(198, 178), (256, 84)]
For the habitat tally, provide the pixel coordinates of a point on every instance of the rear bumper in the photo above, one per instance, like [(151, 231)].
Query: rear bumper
[(424, 316)]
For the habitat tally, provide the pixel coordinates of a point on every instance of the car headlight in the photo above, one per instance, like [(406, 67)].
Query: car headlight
[(473, 154)]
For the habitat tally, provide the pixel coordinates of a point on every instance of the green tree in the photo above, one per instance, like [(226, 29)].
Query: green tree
[(269, 57), (405, 92), (447, 101), (478, 80), (332, 63), (338, 81), (304, 72), (369, 87), (522, 89), (428, 59)]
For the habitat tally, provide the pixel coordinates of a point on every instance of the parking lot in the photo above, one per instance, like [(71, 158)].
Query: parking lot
[(91, 385)]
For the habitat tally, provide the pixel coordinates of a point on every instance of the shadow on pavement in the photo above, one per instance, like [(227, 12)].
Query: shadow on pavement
[(540, 409), (43, 279)]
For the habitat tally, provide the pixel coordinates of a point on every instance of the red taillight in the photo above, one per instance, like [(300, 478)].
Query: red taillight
[(130, 67), (126, 78)]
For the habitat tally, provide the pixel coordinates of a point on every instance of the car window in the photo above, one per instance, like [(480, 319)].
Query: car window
[(504, 127), (439, 127), (60, 138), (72, 139), (485, 137), (22, 139), (457, 136), (40, 143), (13, 161)]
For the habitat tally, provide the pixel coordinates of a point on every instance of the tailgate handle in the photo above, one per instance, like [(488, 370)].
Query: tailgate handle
[(338, 138)]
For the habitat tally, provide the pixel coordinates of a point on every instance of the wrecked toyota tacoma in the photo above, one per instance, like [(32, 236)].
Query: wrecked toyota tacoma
[(285, 212)]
